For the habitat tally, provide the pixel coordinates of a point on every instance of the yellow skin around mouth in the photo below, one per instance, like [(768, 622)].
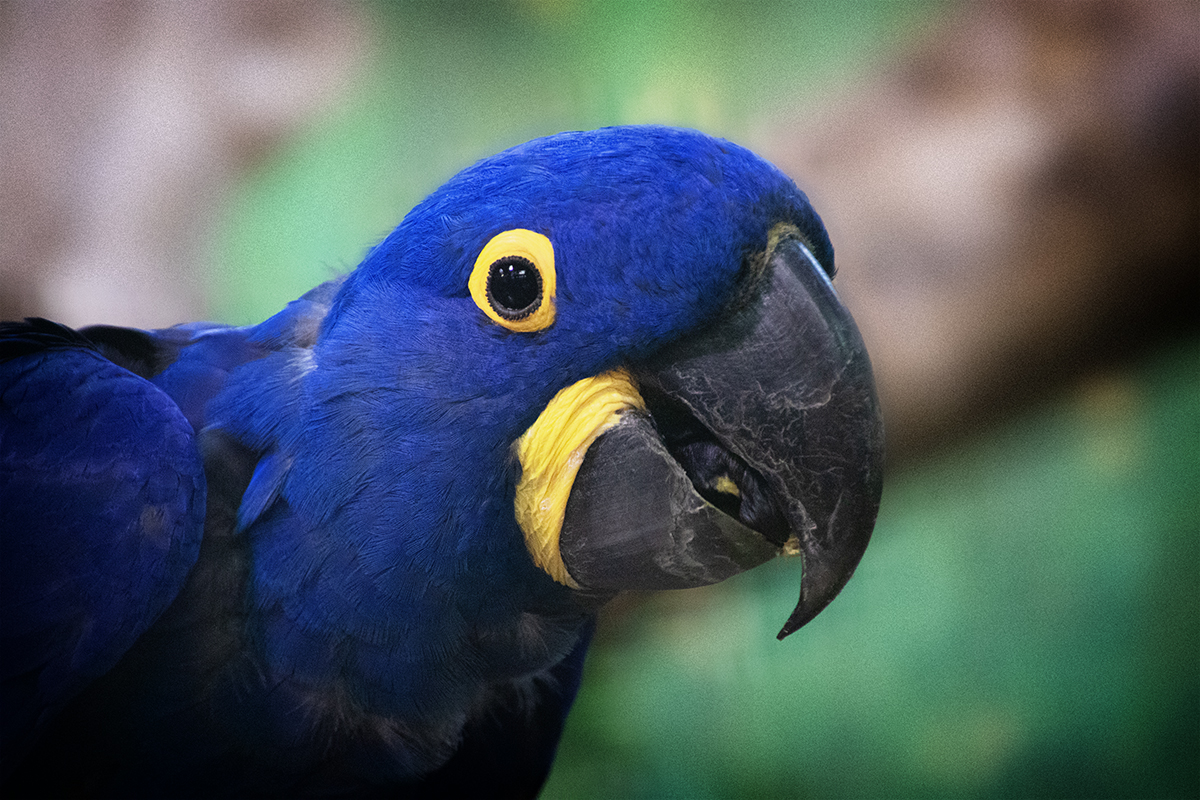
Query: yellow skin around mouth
[(551, 452)]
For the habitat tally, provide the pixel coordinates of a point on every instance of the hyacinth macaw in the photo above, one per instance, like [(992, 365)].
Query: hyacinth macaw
[(359, 548)]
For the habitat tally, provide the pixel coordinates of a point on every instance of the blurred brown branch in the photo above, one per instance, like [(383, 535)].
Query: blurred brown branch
[(1015, 199)]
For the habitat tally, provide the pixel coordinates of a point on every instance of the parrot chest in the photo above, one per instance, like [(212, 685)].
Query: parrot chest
[(210, 700)]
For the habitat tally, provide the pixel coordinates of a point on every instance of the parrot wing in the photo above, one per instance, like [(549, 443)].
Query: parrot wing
[(100, 472)]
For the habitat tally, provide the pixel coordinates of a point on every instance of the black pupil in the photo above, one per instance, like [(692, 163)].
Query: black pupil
[(514, 287)]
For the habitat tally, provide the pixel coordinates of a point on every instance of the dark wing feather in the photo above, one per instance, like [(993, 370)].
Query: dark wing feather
[(101, 513)]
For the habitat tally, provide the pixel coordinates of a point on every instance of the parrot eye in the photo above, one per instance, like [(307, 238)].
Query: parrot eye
[(513, 280), (514, 287)]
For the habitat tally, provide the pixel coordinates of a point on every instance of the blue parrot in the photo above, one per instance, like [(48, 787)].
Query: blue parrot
[(358, 549)]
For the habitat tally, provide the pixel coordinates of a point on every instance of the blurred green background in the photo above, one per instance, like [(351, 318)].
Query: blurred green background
[(1026, 622)]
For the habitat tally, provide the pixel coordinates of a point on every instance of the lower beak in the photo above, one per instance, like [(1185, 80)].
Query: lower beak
[(761, 437)]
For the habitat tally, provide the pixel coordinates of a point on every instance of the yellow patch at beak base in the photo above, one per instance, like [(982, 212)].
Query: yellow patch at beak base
[(551, 452)]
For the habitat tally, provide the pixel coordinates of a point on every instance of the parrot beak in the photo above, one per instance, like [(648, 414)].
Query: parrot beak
[(760, 437)]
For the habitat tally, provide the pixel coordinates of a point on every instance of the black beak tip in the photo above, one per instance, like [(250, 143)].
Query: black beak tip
[(799, 618), (821, 582), (827, 563)]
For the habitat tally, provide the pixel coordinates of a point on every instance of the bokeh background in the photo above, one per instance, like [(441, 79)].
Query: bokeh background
[(1013, 189)]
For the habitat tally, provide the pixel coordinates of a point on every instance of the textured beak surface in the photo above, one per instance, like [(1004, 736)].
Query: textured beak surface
[(760, 437)]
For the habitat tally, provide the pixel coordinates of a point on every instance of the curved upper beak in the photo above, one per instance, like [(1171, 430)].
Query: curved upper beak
[(761, 436)]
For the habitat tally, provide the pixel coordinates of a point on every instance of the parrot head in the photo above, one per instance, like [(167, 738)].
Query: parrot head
[(628, 340)]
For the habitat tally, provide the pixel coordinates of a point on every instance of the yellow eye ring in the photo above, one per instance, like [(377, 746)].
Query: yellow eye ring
[(513, 280)]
